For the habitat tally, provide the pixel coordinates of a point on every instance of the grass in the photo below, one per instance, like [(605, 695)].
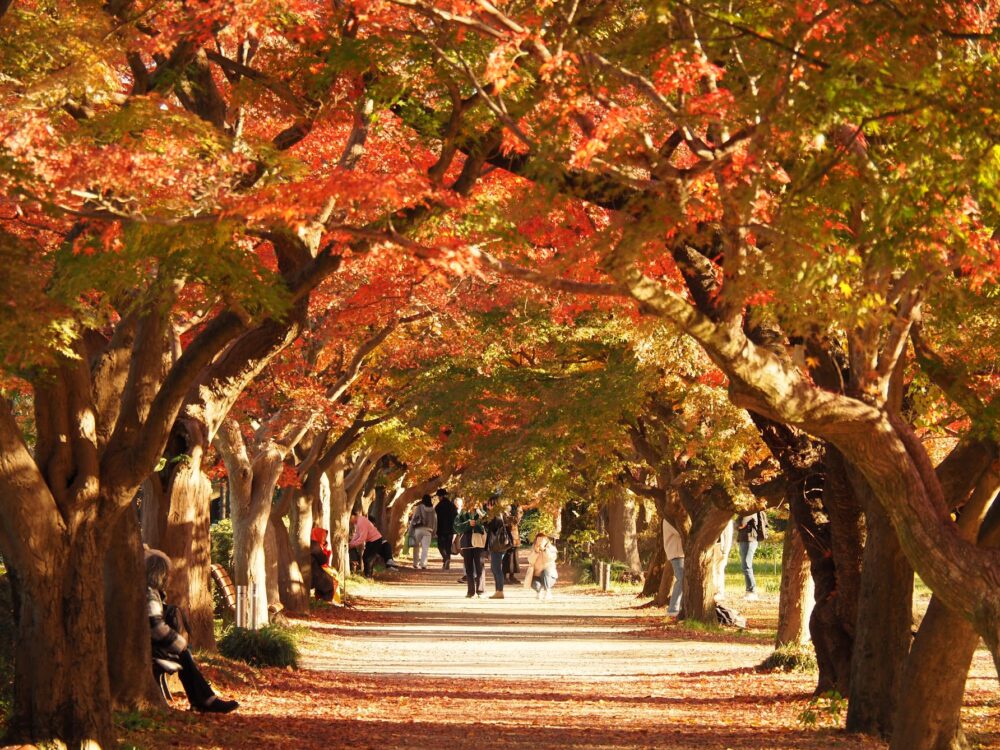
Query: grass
[(791, 657), (271, 646)]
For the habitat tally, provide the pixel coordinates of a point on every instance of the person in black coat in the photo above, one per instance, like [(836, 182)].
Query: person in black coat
[(170, 645), (446, 512)]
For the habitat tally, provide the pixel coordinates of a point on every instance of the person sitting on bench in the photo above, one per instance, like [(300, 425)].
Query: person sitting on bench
[(171, 646)]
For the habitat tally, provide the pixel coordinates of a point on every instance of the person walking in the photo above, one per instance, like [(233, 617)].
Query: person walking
[(423, 525), (445, 511), (673, 546), (498, 541), (542, 572), (369, 537), (470, 527), (750, 532)]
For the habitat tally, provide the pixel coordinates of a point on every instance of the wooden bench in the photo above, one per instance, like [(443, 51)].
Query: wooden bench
[(220, 576)]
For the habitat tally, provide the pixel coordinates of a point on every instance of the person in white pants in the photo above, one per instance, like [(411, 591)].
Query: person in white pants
[(423, 525)]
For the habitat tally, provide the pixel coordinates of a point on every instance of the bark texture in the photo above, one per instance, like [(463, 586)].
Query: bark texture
[(129, 649), (796, 597), (622, 514)]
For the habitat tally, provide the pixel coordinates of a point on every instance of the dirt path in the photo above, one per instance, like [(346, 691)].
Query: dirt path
[(417, 665)]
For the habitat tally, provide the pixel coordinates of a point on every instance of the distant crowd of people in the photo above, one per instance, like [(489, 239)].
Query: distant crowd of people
[(491, 530), (474, 532)]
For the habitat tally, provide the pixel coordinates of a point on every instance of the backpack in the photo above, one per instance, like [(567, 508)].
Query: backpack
[(728, 618), (420, 517)]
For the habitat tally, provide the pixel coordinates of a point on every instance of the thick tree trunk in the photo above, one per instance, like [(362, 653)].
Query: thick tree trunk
[(301, 526), (293, 589), (928, 715), (61, 687), (666, 582), (188, 543), (698, 601), (129, 650), (622, 512), (340, 517), (249, 564), (884, 631), (271, 569), (154, 510), (654, 571), (796, 598)]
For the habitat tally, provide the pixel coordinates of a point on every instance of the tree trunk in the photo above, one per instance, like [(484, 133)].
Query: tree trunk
[(884, 631), (271, 569), (249, 564), (188, 543), (293, 589), (654, 571), (928, 715), (301, 526), (698, 601), (666, 582), (61, 689), (154, 509), (622, 512), (321, 503), (795, 600), (129, 649), (340, 517)]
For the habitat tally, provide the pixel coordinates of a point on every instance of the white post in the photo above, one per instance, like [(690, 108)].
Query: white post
[(241, 598), (254, 624)]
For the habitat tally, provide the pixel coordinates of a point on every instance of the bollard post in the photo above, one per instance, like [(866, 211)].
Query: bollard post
[(254, 624), (241, 596)]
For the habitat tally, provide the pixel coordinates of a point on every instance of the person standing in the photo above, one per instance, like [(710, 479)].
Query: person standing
[(423, 525), (498, 541), (542, 566), (470, 527), (673, 546), (369, 537), (445, 511), (511, 565), (751, 531)]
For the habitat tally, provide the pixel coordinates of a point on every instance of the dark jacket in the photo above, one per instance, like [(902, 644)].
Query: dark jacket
[(497, 533), (446, 512)]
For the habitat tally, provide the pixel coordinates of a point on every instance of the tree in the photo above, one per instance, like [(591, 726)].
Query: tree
[(780, 146)]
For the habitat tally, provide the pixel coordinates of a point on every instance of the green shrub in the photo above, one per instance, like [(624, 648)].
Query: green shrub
[(271, 646), (535, 522), (791, 657), (222, 544)]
